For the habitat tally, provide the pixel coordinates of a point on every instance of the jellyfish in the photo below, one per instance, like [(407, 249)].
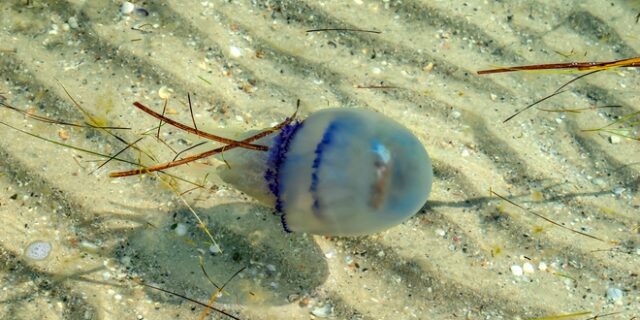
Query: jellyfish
[(339, 172)]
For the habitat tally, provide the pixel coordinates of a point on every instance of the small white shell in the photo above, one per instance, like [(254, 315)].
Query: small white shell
[(38, 250), (339, 172), (127, 8)]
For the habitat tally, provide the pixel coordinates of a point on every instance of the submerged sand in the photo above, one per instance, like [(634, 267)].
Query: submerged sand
[(466, 255)]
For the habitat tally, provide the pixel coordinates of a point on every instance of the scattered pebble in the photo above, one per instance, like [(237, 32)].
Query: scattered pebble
[(38, 250), (63, 134), (89, 245), (322, 312), (330, 253), (614, 294), (493, 97), (73, 23), (599, 182), (619, 190), (304, 301), (127, 7), (542, 266), (614, 139), (348, 259), (54, 29), (528, 268), (164, 93), (517, 270), (440, 232), (214, 249), (181, 229), (235, 52), (293, 297)]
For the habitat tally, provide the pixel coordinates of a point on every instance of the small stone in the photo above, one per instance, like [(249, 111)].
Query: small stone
[(322, 312), (493, 97), (542, 266), (38, 250), (598, 182), (215, 249), (440, 232), (73, 23), (614, 294), (305, 301), (517, 270), (330, 253), (127, 7), (164, 93), (293, 297), (235, 52), (54, 29), (614, 139), (348, 259), (619, 190), (181, 229), (89, 246), (528, 268), (63, 134)]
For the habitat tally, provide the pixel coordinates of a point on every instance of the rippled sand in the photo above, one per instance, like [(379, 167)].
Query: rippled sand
[(245, 64)]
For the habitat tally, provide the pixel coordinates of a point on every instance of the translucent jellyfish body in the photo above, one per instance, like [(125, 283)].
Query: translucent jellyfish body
[(339, 172)]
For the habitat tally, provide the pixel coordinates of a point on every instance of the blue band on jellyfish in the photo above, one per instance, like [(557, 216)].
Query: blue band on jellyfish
[(277, 156), (327, 138)]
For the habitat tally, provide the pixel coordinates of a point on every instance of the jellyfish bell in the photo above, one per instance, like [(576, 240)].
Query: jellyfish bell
[(340, 172)]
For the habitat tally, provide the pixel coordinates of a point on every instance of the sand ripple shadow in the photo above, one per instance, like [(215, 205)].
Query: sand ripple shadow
[(278, 264)]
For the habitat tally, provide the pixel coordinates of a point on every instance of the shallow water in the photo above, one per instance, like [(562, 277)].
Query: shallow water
[(245, 64)]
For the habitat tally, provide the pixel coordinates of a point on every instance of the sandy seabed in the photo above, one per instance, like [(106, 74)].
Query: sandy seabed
[(466, 255)]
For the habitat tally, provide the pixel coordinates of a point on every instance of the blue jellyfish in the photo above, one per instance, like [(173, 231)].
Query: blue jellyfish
[(341, 172)]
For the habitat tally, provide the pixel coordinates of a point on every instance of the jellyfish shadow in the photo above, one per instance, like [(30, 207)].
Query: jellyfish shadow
[(277, 264)]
